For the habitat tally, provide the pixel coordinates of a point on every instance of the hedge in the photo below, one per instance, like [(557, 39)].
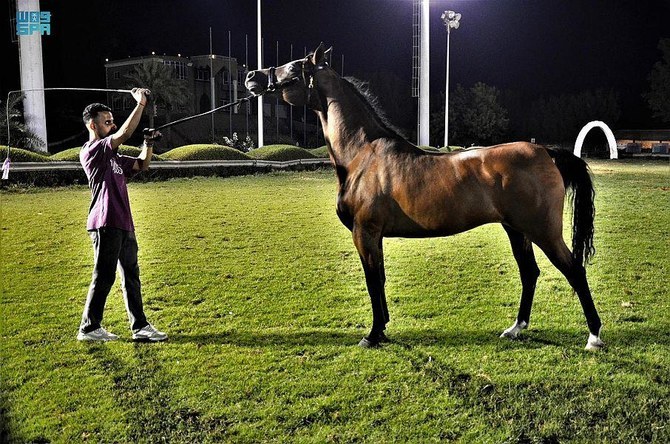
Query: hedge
[(21, 155), (72, 154), (320, 152), (280, 153), (204, 152)]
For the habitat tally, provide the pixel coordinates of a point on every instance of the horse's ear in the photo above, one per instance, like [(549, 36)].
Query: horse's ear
[(319, 55)]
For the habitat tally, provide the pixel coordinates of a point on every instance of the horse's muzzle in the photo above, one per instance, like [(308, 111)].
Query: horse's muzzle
[(256, 82)]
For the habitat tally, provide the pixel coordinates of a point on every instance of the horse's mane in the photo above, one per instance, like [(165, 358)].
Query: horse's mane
[(362, 90)]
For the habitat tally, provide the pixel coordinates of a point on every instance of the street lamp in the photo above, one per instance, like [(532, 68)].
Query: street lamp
[(451, 20)]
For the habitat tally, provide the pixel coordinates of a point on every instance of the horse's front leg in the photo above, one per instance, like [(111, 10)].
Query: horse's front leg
[(368, 243)]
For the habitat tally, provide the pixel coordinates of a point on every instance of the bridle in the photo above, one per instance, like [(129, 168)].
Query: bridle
[(307, 76), (274, 84)]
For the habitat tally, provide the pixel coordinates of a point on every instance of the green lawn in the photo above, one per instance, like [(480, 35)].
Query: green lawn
[(261, 291)]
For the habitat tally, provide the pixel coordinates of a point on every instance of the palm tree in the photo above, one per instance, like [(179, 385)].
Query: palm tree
[(166, 90), (21, 135)]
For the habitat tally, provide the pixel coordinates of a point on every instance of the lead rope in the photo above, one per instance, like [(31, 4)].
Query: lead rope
[(228, 105)]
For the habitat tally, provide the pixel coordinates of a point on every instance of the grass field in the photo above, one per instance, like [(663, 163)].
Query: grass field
[(261, 291)]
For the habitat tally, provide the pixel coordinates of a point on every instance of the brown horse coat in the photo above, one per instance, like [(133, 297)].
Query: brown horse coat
[(388, 187)]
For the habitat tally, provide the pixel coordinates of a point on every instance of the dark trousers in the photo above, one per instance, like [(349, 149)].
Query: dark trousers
[(113, 247)]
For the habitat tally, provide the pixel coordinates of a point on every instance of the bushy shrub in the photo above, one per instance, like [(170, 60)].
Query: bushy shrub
[(21, 155), (320, 152), (72, 154), (69, 155), (204, 152), (280, 153)]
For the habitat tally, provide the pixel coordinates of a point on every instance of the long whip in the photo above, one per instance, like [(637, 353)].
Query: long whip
[(5, 165)]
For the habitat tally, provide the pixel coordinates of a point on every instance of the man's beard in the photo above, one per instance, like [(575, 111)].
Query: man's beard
[(102, 135)]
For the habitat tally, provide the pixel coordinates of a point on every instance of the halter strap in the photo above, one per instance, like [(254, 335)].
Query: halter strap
[(274, 84), (311, 86), (272, 79)]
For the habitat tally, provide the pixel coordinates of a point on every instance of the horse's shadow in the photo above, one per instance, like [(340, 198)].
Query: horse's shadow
[(408, 338), (342, 338)]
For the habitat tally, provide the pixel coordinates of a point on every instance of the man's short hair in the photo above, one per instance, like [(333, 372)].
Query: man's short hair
[(92, 111)]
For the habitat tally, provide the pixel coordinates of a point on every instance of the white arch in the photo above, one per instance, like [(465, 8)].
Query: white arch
[(614, 154)]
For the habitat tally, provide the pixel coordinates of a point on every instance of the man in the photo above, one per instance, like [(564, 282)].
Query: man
[(110, 223)]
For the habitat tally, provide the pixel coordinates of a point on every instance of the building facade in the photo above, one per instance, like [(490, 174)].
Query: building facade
[(195, 72)]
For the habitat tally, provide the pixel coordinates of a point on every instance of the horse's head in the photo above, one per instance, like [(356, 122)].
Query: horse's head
[(293, 80)]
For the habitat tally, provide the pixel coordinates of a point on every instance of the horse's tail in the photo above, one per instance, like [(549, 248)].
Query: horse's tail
[(577, 178)]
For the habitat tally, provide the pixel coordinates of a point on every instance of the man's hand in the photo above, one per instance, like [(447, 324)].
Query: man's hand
[(144, 159), (151, 136), (140, 94), (126, 130)]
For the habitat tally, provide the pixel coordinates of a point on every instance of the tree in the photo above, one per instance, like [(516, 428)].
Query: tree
[(166, 90), (558, 119), (658, 96), (21, 135), (475, 116)]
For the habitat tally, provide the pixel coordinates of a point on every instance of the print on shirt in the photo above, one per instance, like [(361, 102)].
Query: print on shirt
[(115, 167)]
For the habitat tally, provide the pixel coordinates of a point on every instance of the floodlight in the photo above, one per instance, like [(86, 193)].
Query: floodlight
[(451, 20)]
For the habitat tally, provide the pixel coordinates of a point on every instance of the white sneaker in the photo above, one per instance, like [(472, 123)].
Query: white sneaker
[(149, 333), (99, 334)]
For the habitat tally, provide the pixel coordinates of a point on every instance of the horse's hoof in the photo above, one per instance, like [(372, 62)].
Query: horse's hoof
[(594, 343), (373, 340), (367, 342), (515, 330)]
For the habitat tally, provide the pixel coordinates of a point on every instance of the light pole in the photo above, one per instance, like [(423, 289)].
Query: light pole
[(424, 76), (259, 37), (451, 20)]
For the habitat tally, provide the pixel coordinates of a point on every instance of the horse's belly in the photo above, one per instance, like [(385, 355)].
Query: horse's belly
[(439, 221)]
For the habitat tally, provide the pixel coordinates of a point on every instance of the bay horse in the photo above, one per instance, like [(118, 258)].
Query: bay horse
[(389, 187)]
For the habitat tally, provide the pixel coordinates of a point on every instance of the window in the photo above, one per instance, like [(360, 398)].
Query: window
[(241, 77), (178, 68), (202, 74), (117, 103), (225, 76)]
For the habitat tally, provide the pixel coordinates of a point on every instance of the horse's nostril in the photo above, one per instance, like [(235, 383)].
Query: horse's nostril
[(250, 75)]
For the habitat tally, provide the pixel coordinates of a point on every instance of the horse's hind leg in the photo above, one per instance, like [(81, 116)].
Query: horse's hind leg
[(382, 273), (525, 259), (559, 255), (371, 254)]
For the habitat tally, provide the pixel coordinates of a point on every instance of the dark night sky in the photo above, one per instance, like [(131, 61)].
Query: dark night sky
[(541, 47)]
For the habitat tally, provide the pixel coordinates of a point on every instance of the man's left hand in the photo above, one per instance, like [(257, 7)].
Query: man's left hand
[(151, 136)]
